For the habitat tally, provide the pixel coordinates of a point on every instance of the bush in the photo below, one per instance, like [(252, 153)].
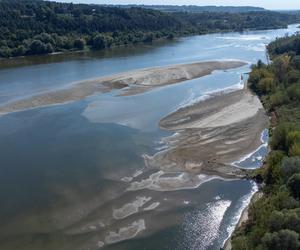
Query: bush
[(281, 66), (294, 92), (99, 42), (277, 99), (38, 47), (5, 51), (79, 44), (293, 76), (284, 239), (19, 51), (266, 85), (293, 185), (280, 136), (289, 167), (294, 150)]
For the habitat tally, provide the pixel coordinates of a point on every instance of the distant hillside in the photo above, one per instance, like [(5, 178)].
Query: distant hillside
[(30, 27), (198, 9)]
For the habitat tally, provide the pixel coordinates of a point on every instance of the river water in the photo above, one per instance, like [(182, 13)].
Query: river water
[(66, 171)]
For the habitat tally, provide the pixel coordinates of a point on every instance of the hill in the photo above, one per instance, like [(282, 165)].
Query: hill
[(198, 9), (30, 27)]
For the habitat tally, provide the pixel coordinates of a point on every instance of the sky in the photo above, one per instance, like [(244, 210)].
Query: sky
[(268, 4)]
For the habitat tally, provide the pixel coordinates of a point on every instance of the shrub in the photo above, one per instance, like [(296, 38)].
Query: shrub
[(289, 167), (294, 150), (293, 185), (279, 137), (99, 42), (79, 44), (284, 239)]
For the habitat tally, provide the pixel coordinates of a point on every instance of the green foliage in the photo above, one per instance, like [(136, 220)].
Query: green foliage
[(289, 167), (266, 85), (293, 185), (284, 239), (294, 149), (281, 66), (79, 44), (277, 99), (271, 174), (99, 42), (293, 92), (280, 140), (274, 220)]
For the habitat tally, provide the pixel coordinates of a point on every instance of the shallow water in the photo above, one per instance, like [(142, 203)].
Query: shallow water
[(69, 167)]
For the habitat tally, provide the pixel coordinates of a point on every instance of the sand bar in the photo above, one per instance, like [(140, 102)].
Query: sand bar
[(131, 83), (212, 134)]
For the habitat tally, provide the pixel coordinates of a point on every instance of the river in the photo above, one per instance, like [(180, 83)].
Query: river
[(66, 170)]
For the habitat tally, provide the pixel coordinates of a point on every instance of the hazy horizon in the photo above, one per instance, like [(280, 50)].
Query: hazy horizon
[(279, 5)]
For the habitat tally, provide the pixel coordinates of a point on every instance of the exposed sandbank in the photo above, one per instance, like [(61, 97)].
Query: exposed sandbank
[(212, 134), (130, 82), (130, 208)]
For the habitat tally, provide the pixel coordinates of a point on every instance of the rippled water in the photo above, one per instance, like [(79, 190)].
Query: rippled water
[(65, 169)]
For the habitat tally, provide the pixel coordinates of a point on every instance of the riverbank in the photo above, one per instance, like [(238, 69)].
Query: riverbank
[(242, 220), (131, 83), (275, 215)]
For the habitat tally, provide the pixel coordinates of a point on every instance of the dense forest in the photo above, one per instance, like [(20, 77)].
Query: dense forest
[(274, 220), (197, 9), (30, 27)]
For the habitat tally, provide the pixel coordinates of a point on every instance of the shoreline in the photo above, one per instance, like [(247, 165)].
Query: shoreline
[(163, 39), (243, 219)]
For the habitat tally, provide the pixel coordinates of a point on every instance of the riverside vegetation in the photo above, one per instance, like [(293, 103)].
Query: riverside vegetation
[(30, 27), (274, 220)]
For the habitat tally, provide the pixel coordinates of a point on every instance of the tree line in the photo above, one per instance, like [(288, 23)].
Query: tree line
[(274, 220), (30, 27)]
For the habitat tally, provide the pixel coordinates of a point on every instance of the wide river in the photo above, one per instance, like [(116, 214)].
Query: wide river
[(66, 171)]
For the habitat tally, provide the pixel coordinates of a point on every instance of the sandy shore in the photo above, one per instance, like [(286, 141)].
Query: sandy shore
[(131, 83), (243, 219), (212, 134)]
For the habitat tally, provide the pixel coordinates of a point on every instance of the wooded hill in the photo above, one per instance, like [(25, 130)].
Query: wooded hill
[(30, 27)]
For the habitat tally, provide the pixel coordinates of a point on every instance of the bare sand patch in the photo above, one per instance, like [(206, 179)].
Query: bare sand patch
[(212, 134), (131, 83), (130, 208), (159, 182), (126, 233), (152, 206)]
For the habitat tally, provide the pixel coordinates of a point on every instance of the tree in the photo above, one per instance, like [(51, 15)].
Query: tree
[(293, 185), (294, 150), (281, 66), (293, 76), (37, 47), (79, 44), (275, 221), (289, 167), (284, 239), (99, 42), (266, 85), (279, 137), (5, 51)]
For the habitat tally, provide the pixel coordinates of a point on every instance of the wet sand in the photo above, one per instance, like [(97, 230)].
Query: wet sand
[(212, 134), (131, 83)]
